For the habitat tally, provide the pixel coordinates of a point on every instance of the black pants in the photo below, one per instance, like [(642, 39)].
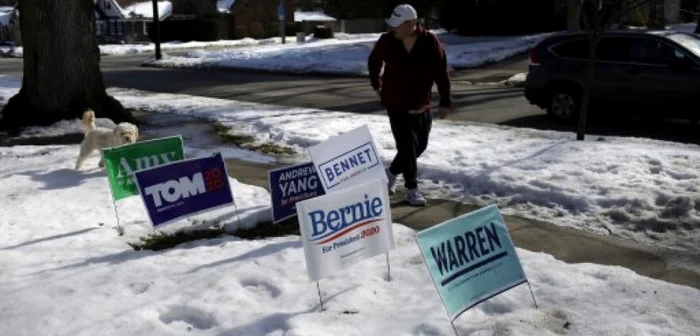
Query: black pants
[(411, 132)]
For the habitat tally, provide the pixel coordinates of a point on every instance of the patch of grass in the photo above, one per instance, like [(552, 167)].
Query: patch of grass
[(289, 227), (162, 241), (248, 142), (271, 148)]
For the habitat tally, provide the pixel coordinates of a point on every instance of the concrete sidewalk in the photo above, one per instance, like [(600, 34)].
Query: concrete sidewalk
[(566, 244)]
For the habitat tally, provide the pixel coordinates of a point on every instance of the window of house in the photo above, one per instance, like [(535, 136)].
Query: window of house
[(120, 27), (145, 28), (99, 27), (113, 27)]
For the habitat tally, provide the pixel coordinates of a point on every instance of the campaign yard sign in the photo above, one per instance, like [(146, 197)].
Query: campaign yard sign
[(471, 258), (290, 185), (347, 160), (343, 228), (121, 162), (185, 188)]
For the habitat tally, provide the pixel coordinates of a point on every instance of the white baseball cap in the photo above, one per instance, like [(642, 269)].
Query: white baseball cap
[(401, 14)]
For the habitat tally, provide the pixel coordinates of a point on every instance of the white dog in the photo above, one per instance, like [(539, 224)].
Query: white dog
[(97, 138)]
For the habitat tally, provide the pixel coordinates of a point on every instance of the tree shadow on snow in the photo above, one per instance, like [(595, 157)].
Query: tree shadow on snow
[(278, 321), (112, 259), (59, 236), (254, 254), (62, 178)]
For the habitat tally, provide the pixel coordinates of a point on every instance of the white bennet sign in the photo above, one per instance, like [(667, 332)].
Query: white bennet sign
[(345, 227), (347, 160)]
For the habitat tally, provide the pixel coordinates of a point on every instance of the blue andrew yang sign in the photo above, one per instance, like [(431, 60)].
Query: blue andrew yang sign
[(347, 160), (471, 259), (184, 188), (290, 185)]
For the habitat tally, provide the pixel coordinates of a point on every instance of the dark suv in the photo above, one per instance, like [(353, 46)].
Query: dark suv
[(636, 73)]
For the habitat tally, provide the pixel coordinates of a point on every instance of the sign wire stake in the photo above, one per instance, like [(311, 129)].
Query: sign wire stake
[(388, 267), (238, 215), (454, 328), (120, 229), (533, 295), (320, 299)]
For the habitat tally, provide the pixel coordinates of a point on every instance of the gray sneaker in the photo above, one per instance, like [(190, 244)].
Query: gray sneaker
[(414, 197), (392, 182)]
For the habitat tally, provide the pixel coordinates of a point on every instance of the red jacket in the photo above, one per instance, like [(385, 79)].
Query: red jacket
[(408, 78)]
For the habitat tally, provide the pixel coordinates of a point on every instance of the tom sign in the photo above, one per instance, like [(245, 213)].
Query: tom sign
[(343, 228), (347, 160), (121, 162), (290, 185), (471, 258), (185, 188)]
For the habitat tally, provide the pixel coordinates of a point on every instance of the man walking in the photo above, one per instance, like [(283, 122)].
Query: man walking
[(413, 59)]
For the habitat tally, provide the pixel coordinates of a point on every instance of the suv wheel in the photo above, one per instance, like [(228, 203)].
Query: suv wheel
[(564, 105)]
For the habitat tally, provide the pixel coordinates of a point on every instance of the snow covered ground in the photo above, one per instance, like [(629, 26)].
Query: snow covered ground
[(346, 54), (642, 189), (65, 271), (124, 49)]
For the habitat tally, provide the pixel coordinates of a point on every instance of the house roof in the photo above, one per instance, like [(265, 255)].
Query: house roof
[(300, 16), (224, 5), (123, 9), (6, 15), (145, 9)]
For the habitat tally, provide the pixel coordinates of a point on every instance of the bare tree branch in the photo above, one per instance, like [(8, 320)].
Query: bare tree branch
[(629, 8)]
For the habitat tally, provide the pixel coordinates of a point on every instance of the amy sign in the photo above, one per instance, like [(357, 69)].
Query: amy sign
[(121, 162)]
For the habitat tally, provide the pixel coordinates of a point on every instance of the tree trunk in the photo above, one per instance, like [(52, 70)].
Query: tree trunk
[(62, 76), (656, 15), (588, 79), (573, 15)]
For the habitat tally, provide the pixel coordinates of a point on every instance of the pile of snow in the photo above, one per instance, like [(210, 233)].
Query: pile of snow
[(125, 49), (224, 6), (517, 80), (66, 270), (646, 190), (346, 54), (301, 16), (683, 27)]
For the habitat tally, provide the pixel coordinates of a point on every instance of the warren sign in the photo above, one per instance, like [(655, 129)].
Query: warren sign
[(185, 188), (471, 258), (341, 229)]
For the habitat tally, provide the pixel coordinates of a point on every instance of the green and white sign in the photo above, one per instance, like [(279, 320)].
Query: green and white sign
[(471, 258), (121, 162)]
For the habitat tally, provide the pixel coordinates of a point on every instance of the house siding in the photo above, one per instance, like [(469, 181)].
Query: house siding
[(258, 18)]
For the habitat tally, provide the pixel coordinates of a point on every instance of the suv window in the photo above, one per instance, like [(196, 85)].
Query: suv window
[(650, 51), (614, 49), (572, 49)]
